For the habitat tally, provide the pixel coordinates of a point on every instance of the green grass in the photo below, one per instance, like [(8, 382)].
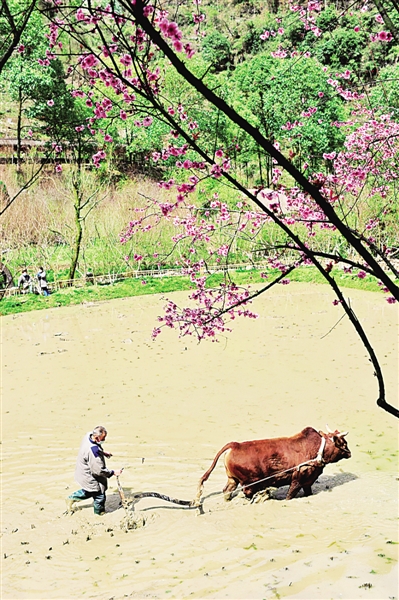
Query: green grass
[(136, 287)]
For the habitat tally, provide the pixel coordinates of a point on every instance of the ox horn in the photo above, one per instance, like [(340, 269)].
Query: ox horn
[(328, 429), (343, 434)]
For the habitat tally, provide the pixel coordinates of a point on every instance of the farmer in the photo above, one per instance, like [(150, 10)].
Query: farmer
[(43, 285), (25, 281), (91, 472)]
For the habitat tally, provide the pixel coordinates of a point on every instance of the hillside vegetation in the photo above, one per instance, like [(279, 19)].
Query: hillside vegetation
[(239, 53)]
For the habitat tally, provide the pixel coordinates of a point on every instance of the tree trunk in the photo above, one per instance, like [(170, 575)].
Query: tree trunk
[(79, 229), (19, 131)]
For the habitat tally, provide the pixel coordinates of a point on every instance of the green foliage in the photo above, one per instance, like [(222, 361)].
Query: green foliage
[(273, 92), (216, 50), (385, 94), (328, 20), (54, 105), (342, 49), (41, 91)]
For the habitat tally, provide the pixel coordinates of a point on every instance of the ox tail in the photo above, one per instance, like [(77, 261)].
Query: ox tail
[(197, 500)]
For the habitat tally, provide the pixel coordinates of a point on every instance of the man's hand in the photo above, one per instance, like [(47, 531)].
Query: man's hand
[(107, 454), (118, 472)]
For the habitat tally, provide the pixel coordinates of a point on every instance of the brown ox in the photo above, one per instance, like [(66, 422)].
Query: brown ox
[(296, 461)]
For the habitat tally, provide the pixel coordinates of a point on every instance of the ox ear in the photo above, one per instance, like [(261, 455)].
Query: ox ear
[(322, 433)]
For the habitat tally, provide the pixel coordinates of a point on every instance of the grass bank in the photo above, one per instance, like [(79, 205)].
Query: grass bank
[(156, 285)]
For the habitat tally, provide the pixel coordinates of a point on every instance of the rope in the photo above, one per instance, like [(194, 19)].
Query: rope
[(162, 497)]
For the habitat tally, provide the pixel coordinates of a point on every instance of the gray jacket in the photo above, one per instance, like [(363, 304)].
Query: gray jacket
[(91, 472)]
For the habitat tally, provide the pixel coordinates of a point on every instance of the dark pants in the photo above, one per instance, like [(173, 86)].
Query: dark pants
[(98, 497)]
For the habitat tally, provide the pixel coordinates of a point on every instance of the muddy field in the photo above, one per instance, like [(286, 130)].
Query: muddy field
[(169, 406)]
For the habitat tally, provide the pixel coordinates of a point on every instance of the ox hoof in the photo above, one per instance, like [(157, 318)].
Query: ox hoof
[(261, 496)]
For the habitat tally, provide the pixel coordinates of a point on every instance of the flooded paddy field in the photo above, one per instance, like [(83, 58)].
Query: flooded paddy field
[(169, 406)]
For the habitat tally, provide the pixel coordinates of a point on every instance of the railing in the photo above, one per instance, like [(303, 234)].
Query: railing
[(111, 278)]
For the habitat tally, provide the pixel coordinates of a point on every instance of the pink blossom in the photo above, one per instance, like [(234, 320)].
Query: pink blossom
[(107, 138), (147, 10), (362, 274), (178, 46), (391, 300), (126, 60), (329, 155), (356, 28), (216, 171), (223, 250), (58, 168), (50, 102), (88, 61), (385, 36), (80, 15), (147, 121)]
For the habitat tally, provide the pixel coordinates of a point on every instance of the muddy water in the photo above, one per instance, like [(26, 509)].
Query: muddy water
[(168, 407)]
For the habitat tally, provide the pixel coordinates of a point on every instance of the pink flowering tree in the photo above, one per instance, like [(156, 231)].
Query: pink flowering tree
[(127, 51)]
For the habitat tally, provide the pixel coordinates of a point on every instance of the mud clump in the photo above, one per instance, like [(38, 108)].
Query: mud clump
[(132, 521)]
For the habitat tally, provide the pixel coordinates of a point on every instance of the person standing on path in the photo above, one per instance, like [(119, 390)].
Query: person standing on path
[(43, 285), (91, 471)]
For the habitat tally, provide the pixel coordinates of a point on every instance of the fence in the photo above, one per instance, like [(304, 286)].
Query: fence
[(111, 278)]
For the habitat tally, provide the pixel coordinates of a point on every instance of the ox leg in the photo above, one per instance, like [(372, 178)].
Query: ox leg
[(229, 488), (307, 490), (294, 489)]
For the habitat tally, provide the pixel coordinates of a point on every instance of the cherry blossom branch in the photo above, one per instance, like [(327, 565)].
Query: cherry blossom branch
[(381, 400), (251, 297)]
